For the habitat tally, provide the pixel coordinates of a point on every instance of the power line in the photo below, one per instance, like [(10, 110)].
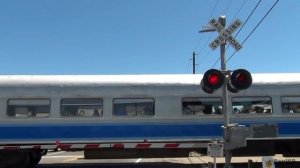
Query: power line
[(213, 9), (248, 18), (201, 37), (212, 12), (253, 10), (198, 42), (209, 39), (255, 27), (216, 62), (206, 42), (227, 7), (204, 58), (239, 10)]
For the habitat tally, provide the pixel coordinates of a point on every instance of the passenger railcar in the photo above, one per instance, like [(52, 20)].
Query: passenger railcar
[(138, 115)]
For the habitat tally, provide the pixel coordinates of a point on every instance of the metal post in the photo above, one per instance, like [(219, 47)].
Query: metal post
[(222, 20), (215, 162), (250, 164)]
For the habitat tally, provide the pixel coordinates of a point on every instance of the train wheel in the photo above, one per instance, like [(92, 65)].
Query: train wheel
[(22, 160), (2, 162), (44, 152), (34, 158)]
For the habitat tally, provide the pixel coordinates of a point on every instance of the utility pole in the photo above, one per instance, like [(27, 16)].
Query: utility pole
[(194, 63)]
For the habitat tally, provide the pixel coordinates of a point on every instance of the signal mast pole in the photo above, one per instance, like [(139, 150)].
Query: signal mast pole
[(228, 154), (234, 135), (222, 20), (226, 136)]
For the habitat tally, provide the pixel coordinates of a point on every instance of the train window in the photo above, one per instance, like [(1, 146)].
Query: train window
[(133, 107), (22, 108), (290, 105), (201, 106), (251, 105), (82, 107)]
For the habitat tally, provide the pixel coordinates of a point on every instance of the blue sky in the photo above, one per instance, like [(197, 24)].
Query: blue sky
[(141, 36)]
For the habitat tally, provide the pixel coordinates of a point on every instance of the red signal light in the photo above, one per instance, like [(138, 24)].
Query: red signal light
[(212, 80), (240, 79)]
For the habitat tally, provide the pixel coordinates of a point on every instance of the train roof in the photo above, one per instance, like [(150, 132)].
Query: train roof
[(124, 80)]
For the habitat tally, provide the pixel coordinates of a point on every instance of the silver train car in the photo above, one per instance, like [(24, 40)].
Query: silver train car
[(140, 115)]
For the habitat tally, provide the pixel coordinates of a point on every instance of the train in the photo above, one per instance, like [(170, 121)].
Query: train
[(126, 116)]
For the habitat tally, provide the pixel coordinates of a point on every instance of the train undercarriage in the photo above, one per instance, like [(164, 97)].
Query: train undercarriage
[(29, 158), (288, 148), (25, 158)]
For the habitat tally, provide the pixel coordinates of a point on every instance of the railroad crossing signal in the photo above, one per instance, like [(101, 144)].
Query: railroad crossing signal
[(214, 79), (225, 34), (238, 80)]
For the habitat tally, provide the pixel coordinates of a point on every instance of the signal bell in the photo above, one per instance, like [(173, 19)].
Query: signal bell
[(240, 79), (212, 80)]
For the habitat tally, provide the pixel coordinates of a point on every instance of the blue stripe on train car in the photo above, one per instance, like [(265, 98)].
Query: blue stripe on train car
[(289, 129), (285, 129), (124, 131), (109, 131)]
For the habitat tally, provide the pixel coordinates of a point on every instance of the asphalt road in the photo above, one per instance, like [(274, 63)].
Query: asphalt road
[(61, 159)]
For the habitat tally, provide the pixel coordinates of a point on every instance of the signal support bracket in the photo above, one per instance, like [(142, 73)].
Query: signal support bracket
[(226, 73)]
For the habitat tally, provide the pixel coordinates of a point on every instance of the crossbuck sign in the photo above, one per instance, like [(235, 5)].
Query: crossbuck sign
[(225, 34)]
